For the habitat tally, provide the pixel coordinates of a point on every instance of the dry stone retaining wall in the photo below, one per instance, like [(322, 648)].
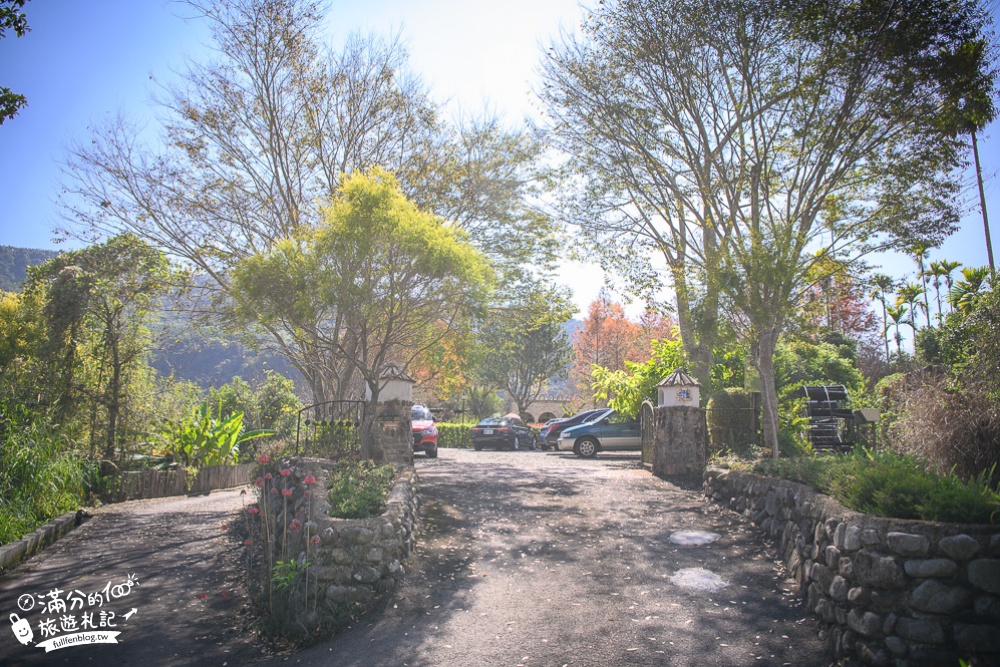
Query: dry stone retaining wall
[(353, 560), (888, 591)]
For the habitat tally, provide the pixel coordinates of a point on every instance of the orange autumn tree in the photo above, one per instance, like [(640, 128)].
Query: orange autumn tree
[(442, 370), (608, 338)]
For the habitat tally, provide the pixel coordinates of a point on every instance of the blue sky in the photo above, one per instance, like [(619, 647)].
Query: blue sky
[(84, 60)]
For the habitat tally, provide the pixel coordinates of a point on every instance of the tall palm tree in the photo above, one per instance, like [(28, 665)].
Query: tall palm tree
[(937, 273), (948, 268), (920, 252), (910, 294), (942, 269), (964, 291), (898, 316), (969, 106), (882, 287)]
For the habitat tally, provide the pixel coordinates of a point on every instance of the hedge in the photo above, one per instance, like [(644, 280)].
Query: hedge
[(454, 436)]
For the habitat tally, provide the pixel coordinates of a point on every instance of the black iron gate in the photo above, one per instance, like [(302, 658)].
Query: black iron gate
[(330, 430)]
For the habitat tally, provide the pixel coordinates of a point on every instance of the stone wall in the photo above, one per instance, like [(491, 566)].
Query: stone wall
[(680, 440), (888, 591), (13, 553), (351, 560)]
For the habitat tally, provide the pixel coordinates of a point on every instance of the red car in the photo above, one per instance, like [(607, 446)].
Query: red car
[(425, 433)]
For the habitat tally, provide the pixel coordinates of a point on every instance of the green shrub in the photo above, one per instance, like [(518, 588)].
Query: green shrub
[(41, 476), (358, 488), (730, 421), (454, 436), (891, 485), (884, 484)]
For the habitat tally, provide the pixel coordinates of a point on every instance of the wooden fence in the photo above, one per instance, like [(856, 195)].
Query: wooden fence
[(162, 483)]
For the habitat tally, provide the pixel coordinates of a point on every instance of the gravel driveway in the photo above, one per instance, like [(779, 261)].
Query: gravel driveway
[(534, 558)]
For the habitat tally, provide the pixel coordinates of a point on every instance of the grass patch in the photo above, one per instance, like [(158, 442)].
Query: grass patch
[(891, 485), (358, 488)]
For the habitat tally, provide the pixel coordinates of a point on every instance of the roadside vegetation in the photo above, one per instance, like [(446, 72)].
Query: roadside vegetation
[(886, 483), (319, 203), (359, 488)]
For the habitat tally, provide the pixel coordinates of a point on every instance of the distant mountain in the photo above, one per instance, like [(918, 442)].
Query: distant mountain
[(572, 326), (14, 263)]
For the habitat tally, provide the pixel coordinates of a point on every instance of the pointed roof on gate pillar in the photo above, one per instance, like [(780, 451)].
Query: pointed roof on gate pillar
[(679, 378)]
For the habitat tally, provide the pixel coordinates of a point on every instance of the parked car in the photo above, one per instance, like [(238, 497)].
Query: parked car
[(425, 433), (545, 430), (552, 437), (502, 432), (610, 431)]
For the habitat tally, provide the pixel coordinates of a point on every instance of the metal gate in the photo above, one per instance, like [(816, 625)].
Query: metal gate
[(330, 430), (648, 425)]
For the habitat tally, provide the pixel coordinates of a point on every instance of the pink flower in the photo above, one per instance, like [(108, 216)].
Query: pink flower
[(309, 480), (285, 472), (247, 542), (202, 596), (268, 476), (315, 539), (253, 510), (295, 525), (274, 492), (259, 482), (264, 458), (286, 493)]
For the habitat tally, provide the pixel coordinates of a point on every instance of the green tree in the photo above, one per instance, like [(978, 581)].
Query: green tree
[(938, 270), (256, 141), (882, 287), (910, 293), (970, 106), (11, 17), (370, 285), (919, 252), (799, 362), (963, 293), (524, 342), (625, 390), (98, 302), (734, 138), (897, 315)]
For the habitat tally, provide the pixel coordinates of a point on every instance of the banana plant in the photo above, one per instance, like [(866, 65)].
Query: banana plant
[(207, 441)]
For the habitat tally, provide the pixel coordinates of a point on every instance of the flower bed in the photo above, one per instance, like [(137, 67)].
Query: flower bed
[(314, 570)]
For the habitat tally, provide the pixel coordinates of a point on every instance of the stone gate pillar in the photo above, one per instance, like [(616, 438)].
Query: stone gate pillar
[(680, 440), (680, 433), (392, 416)]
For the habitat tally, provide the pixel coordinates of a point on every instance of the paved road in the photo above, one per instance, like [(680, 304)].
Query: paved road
[(525, 558), (532, 558), (187, 598)]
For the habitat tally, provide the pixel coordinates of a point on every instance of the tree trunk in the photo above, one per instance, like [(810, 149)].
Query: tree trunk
[(698, 343), (370, 446), (982, 202), (767, 342), (114, 392)]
